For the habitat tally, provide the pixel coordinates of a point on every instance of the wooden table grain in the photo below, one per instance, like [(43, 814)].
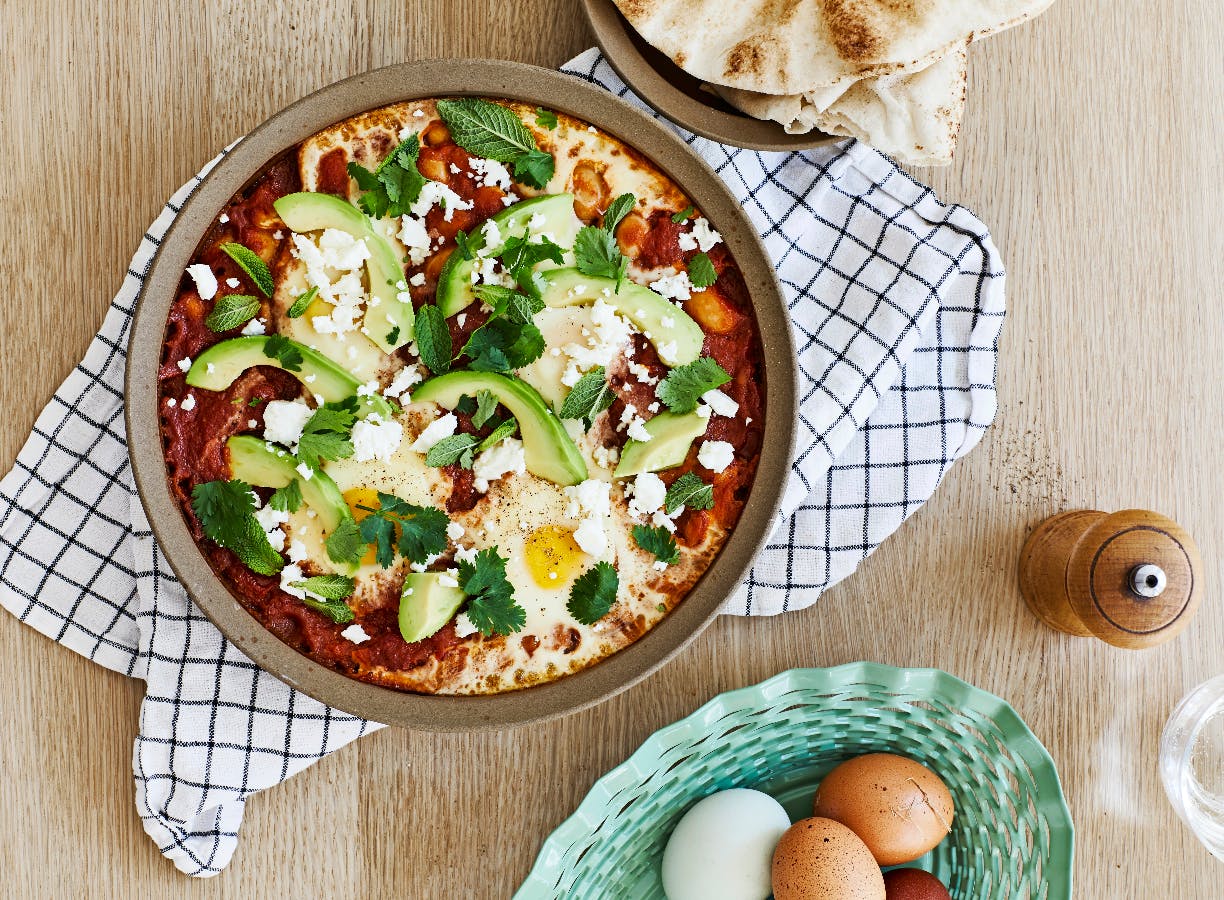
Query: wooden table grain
[(1092, 147)]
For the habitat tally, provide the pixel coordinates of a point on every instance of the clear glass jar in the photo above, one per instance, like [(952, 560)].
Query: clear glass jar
[(1192, 762)]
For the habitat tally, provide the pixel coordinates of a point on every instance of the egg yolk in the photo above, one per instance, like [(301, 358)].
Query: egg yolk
[(357, 498), (318, 307), (553, 557)]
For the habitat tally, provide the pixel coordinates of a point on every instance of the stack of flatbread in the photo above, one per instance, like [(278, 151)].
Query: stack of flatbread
[(888, 72)]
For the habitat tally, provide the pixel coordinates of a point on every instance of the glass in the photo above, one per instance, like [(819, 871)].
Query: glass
[(1192, 762)]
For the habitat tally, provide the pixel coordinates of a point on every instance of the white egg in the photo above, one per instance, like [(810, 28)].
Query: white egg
[(721, 849)]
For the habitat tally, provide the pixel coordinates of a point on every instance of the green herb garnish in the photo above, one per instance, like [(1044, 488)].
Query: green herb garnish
[(284, 351), (327, 433), (458, 448), (688, 490), (701, 271), (617, 210), (421, 530), (491, 130), (433, 339), (395, 185), (344, 544), (503, 345), (497, 435), (491, 605), (596, 253), (593, 593), (546, 118), (226, 510), (683, 215), (657, 541), (589, 397), (684, 385), (330, 592), (287, 498), (486, 408), (300, 305), (231, 311), (248, 260)]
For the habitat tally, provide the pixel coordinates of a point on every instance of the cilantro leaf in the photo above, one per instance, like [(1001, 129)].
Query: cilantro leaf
[(520, 256), (393, 335), (284, 351), (326, 435), (298, 309), (433, 339), (534, 169), (593, 593), (500, 345), (466, 404), (514, 305), (463, 246), (486, 408), (684, 215), (688, 490), (684, 385), (487, 129), (589, 397), (248, 260), (231, 311), (491, 604), (597, 253), (701, 271), (422, 529), (657, 541), (497, 435), (287, 498), (451, 450), (395, 185), (546, 118), (226, 510), (345, 544), (617, 210)]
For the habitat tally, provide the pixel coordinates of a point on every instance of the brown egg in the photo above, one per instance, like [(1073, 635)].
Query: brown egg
[(900, 808), (914, 884), (818, 859)]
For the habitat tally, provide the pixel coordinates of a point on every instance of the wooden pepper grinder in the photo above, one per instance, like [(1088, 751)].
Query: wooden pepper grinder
[(1131, 578)]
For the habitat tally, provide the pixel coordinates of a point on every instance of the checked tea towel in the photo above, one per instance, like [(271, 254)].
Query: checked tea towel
[(896, 299)]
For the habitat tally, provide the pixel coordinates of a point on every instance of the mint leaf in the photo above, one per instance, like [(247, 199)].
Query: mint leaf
[(344, 544), (683, 215), (657, 541), (546, 118), (684, 385), (298, 309), (287, 498), (284, 351), (422, 529), (534, 169), (231, 311), (486, 129), (497, 435), (617, 210), (462, 246), (433, 339), (454, 449), (701, 271), (466, 404), (329, 587), (593, 593), (589, 397), (688, 490), (336, 610), (596, 253), (491, 604), (326, 435), (486, 408), (226, 510), (500, 345), (248, 260)]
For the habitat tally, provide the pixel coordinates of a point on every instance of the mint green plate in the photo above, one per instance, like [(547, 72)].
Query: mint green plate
[(1012, 836)]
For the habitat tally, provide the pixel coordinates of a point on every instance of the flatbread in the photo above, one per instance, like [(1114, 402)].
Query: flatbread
[(913, 116), (796, 46)]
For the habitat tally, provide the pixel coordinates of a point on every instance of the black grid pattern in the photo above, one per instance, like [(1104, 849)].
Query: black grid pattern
[(897, 301)]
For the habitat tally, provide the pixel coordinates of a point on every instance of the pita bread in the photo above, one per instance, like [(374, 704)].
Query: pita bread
[(797, 46), (912, 116)]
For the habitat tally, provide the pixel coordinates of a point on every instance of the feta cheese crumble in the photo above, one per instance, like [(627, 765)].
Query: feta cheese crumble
[(716, 455), (355, 633), (464, 626), (702, 237), (649, 492), (591, 501), (720, 403), (205, 280), (284, 421), (674, 287), (184, 364), (375, 439), (405, 380), (189, 402), (442, 427), (503, 458), (255, 326)]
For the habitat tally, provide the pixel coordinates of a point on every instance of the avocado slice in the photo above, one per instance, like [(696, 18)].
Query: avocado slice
[(678, 342), (309, 211), (671, 436), (455, 288), (251, 461), (548, 449), (426, 605), (231, 358)]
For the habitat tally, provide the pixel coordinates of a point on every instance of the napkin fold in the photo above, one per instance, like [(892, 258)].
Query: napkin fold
[(896, 301)]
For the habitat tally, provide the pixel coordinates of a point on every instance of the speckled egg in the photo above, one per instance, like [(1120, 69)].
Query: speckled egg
[(899, 807), (819, 859), (914, 884)]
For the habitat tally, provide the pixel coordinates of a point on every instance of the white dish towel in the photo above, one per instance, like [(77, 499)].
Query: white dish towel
[(897, 302)]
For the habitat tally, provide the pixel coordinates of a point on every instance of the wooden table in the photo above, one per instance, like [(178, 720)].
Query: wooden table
[(1092, 146)]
